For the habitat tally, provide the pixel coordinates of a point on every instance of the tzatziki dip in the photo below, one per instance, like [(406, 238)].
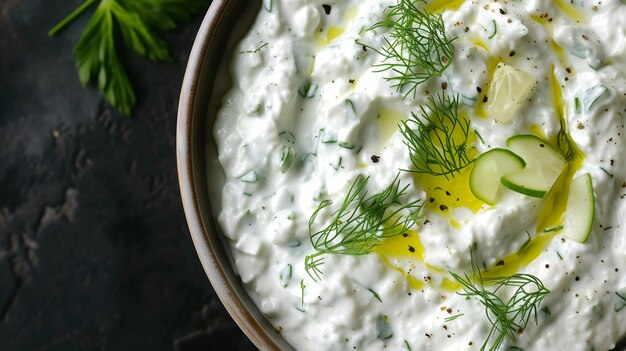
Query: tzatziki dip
[(430, 175)]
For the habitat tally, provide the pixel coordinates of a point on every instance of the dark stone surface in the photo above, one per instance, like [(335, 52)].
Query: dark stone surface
[(94, 249)]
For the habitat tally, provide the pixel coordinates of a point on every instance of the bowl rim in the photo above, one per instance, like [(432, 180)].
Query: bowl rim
[(188, 184)]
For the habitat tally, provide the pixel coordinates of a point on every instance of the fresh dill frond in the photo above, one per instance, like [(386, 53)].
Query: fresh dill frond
[(361, 223), (507, 316), (138, 22), (438, 138), (416, 47)]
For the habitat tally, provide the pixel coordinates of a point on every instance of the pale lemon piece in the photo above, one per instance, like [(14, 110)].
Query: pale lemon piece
[(510, 88)]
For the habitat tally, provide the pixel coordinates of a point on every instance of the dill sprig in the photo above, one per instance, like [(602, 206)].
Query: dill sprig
[(438, 139), (416, 47), (361, 223), (506, 318)]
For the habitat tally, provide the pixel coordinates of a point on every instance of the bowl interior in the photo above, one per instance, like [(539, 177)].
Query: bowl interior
[(206, 81), (200, 175)]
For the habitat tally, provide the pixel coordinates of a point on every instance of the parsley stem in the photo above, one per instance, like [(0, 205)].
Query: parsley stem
[(72, 16)]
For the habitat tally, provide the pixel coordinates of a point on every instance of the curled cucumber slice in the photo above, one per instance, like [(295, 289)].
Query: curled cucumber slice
[(544, 165), (488, 170)]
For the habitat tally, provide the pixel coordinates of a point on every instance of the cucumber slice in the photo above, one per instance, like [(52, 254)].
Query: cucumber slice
[(544, 165), (595, 95), (289, 155), (491, 29), (487, 171), (510, 88), (581, 209)]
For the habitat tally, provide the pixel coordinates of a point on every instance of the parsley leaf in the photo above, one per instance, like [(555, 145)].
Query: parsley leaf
[(138, 22)]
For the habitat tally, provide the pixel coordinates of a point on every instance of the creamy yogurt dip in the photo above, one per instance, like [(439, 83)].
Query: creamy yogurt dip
[(312, 108)]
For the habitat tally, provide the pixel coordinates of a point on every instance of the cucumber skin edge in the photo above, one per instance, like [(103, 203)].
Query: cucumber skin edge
[(540, 194)]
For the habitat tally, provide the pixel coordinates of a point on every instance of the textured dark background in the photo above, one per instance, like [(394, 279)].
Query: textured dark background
[(94, 249)]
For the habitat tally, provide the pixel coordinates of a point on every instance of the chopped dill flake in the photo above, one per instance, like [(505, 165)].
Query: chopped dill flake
[(255, 50), (361, 223), (607, 172), (480, 137), (302, 287), (375, 294), (451, 318), (555, 228), (407, 346)]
